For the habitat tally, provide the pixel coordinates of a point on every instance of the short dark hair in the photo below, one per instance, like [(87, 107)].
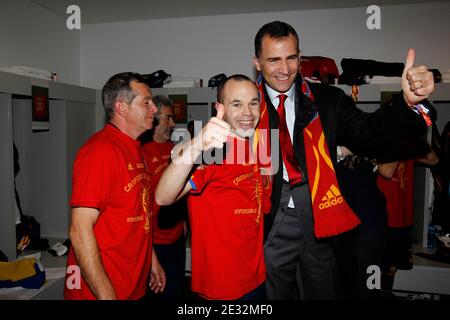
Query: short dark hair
[(236, 77), (274, 29), (161, 101), (118, 88)]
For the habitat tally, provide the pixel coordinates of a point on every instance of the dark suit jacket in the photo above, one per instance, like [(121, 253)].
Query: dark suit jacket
[(390, 133)]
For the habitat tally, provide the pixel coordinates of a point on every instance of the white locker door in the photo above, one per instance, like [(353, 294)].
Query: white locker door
[(7, 215)]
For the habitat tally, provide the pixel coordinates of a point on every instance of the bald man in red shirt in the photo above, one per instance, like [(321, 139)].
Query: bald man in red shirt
[(226, 201)]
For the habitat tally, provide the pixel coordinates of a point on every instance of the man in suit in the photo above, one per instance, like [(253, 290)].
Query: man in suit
[(307, 207)]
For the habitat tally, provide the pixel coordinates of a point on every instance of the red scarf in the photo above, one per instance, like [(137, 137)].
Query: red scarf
[(332, 215)]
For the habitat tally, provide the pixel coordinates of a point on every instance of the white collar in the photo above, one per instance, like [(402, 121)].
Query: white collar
[(274, 94)]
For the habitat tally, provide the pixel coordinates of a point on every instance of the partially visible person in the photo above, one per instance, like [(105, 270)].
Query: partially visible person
[(441, 177), (363, 246), (226, 201), (111, 226), (168, 221), (396, 181)]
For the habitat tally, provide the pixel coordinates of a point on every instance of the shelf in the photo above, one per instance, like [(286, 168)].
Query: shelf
[(426, 276), (54, 285), (21, 85)]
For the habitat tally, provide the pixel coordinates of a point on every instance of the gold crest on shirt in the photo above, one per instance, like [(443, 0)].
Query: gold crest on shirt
[(146, 194), (257, 194)]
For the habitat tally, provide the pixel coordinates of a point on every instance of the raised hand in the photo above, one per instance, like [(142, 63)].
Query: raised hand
[(216, 131), (417, 82)]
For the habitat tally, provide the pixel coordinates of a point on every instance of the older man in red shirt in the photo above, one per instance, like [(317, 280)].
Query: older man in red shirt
[(111, 225), (168, 222)]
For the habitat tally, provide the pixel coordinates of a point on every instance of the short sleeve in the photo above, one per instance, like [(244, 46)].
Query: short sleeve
[(201, 177), (93, 176)]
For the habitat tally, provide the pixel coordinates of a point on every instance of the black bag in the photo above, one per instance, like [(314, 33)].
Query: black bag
[(354, 71), (28, 233), (157, 79), (216, 80)]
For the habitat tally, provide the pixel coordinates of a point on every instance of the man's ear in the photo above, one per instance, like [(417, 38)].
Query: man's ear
[(256, 63), (120, 108)]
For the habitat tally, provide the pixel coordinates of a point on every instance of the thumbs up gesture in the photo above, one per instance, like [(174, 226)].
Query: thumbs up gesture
[(215, 132), (417, 82), (220, 108)]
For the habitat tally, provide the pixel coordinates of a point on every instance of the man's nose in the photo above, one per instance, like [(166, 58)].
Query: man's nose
[(246, 109), (284, 67)]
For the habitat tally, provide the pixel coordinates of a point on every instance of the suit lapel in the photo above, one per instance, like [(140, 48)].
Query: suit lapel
[(305, 109)]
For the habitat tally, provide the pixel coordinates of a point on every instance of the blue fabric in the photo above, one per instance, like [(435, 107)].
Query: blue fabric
[(34, 282), (194, 187)]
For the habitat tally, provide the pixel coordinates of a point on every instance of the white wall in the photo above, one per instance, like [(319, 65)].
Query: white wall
[(35, 37), (205, 46)]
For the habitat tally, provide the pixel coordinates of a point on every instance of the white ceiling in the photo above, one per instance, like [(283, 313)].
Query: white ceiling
[(95, 11)]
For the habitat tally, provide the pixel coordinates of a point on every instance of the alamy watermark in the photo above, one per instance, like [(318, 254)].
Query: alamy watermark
[(73, 21), (73, 280), (374, 280), (373, 22)]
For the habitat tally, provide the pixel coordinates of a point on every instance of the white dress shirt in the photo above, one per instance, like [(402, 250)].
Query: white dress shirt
[(290, 119)]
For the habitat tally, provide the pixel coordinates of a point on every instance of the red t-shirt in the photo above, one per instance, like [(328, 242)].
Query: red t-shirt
[(225, 211), (109, 174), (157, 156), (399, 191)]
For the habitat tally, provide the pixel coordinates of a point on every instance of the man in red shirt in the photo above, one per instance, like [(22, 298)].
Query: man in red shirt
[(396, 181), (226, 200), (110, 228), (168, 225)]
